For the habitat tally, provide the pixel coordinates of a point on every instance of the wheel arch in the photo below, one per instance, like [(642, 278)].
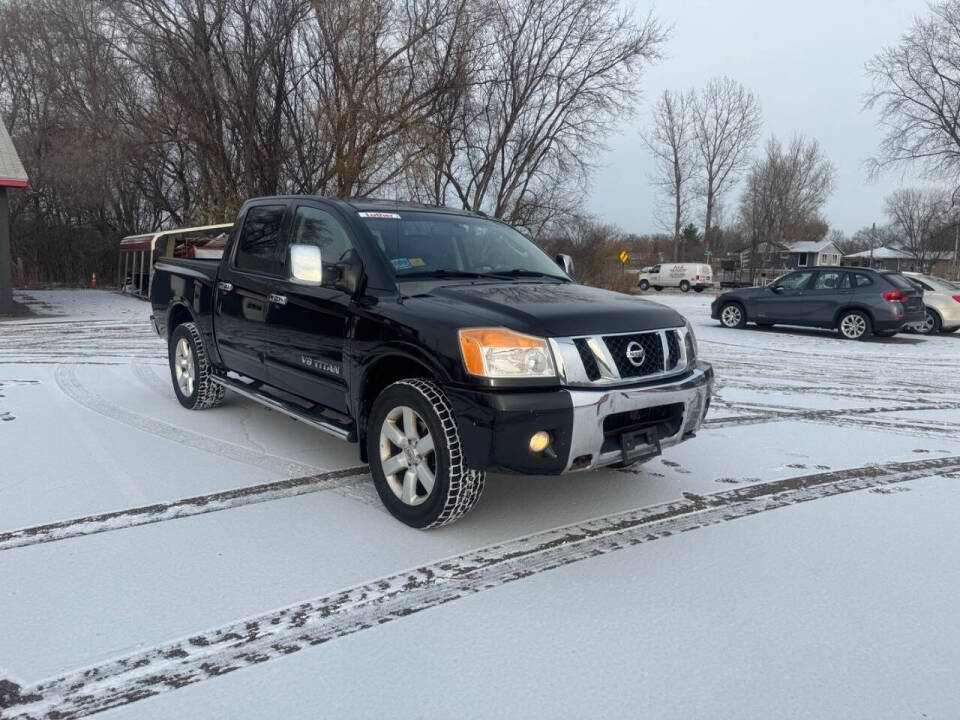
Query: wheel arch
[(848, 308), (389, 366), (178, 314)]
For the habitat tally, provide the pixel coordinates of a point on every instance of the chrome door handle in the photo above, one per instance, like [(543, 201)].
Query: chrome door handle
[(225, 286), (278, 299)]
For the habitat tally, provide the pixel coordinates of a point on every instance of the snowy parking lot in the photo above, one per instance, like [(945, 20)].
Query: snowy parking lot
[(797, 559)]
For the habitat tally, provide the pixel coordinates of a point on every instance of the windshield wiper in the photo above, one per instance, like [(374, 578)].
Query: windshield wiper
[(441, 273), (521, 272), (495, 275)]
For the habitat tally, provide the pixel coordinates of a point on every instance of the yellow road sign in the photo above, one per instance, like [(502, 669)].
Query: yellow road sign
[(624, 256)]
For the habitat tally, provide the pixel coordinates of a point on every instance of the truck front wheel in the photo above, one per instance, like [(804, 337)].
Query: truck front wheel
[(416, 460), (190, 369)]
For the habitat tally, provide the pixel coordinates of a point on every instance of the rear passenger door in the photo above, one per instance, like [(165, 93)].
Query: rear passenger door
[(829, 291), (309, 329), (244, 288)]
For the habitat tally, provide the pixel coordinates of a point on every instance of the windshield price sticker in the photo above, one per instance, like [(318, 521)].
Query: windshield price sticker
[(380, 215)]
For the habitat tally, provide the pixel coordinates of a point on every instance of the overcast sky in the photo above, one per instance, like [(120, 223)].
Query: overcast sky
[(804, 60)]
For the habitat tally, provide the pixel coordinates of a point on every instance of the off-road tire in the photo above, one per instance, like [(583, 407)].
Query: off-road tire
[(684, 286), (849, 317), (733, 315), (206, 393), (457, 488), (644, 285)]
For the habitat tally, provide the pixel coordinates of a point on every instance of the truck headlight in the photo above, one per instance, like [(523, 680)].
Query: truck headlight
[(691, 341), (503, 353)]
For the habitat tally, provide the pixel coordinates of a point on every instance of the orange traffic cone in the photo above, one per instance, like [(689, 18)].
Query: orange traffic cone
[(93, 281)]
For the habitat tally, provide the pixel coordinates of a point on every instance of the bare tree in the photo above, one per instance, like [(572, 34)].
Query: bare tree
[(558, 75), (916, 88), (671, 140), (917, 215), (727, 125), (785, 191)]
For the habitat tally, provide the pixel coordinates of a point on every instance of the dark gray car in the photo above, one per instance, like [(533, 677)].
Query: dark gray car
[(858, 302)]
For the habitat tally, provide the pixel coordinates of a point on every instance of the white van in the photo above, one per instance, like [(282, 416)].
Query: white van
[(679, 275)]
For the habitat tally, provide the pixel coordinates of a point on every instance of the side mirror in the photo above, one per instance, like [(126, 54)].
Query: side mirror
[(776, 288), (306, 266), (566, 263)]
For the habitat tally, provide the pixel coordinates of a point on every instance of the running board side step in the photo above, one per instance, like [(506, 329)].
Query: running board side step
[(252, 390)]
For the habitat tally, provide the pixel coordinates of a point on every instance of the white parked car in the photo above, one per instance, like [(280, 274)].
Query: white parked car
[(679, 275), (942, 300)]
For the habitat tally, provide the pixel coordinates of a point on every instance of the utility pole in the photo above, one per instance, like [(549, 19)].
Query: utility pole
[(873, 241)]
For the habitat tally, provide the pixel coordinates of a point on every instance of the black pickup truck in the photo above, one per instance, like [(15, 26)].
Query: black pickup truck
[(443, 342)]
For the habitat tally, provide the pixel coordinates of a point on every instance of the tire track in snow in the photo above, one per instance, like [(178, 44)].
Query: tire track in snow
[(145, 374), (66, 379), (273, 635), (776, 414), (187, 507)]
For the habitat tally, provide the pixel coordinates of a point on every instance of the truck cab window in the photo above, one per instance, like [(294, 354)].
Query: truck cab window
[(313, 226), (261, 248)]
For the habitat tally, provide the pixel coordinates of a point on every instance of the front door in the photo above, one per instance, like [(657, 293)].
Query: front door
[(245, 285), (784, 299), (309, 330)]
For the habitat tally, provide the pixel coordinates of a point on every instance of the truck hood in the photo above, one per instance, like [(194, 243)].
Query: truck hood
[(550, 309)]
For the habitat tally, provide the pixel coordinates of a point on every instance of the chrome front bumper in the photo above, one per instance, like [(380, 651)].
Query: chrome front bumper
[(591, 407)]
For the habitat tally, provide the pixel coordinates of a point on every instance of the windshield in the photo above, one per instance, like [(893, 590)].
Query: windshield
[(422, 244)]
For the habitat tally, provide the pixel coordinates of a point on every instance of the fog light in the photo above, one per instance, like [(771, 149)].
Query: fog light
[(539, 441)]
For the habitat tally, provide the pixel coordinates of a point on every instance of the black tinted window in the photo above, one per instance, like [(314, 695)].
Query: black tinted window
[(312, 226), (261, 248), (899, 281)]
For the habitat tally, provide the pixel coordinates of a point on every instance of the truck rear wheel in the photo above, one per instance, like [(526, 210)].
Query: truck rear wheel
[(684, 286), (190, 369), (416, 459)]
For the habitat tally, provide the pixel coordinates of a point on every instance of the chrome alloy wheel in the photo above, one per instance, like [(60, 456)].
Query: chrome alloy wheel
[(407, 455), (853, 326), (731, 316), (184, 367)]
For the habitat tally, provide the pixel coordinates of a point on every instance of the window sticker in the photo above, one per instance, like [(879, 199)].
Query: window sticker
[(380, 215), (401, 264), (417, 262)]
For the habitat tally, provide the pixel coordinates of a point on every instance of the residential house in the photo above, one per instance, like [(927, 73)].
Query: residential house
[(811, 254), (897, 259)]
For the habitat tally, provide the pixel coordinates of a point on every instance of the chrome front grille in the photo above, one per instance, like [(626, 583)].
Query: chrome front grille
[(637, 355), (624, 357)]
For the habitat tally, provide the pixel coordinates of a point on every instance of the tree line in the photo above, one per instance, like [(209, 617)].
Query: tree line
[(133, 115), (703, 140)]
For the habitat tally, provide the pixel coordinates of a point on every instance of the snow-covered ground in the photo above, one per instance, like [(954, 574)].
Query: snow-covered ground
[(797, 559)]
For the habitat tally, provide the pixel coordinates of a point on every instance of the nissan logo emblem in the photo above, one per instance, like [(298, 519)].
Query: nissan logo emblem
[(635, 353)]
